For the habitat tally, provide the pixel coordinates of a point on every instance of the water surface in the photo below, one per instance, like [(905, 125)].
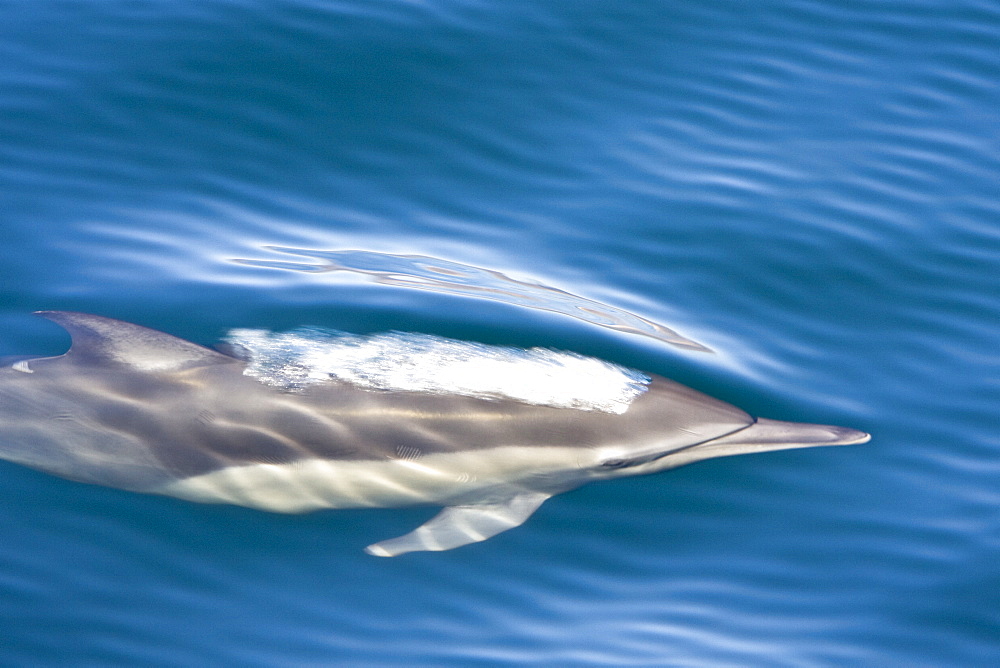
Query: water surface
[(808, 188)]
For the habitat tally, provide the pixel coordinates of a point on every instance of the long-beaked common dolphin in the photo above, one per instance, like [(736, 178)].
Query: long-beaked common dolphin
[(137, 409)]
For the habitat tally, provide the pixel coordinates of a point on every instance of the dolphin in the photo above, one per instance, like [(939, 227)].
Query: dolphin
[(137, 409)]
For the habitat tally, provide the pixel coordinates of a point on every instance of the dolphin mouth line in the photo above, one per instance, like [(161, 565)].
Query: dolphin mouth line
[(764, 435), (639, 461), (701, 443)]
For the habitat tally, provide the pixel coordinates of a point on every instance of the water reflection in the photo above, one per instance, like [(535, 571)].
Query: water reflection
[(422, 272)]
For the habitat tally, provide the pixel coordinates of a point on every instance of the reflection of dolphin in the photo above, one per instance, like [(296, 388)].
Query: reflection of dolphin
[(137, 409)]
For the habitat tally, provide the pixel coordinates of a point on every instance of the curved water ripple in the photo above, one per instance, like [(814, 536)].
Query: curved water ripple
[(438, 275)]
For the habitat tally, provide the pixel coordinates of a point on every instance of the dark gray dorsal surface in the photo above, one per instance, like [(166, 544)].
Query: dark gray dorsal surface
[(109, 341)]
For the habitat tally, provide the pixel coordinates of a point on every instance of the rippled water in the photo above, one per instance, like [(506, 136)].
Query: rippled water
[(810, 189), (429, 273)]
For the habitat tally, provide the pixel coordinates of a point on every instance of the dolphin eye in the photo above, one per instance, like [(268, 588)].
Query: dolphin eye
[(613, 463)]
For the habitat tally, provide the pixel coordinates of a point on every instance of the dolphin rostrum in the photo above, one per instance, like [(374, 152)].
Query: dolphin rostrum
[(137, 409)]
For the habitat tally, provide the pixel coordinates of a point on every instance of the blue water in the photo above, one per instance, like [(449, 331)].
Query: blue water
[(810, 188)]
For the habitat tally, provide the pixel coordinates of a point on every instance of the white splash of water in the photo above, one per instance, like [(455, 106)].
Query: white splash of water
[(424, 363)]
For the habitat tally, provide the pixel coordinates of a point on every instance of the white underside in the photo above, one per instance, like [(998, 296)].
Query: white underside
[(470, 476)]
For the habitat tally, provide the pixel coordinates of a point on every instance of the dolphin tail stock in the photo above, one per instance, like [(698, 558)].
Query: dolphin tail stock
[(460, 525)]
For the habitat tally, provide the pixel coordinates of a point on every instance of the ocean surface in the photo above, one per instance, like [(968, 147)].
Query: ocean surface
[(811, 189)]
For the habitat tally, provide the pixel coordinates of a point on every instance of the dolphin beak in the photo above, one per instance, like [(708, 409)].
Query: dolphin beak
[(765, 435)]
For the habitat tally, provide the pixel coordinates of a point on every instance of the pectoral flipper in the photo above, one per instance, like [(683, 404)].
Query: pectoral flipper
[(460, 525)]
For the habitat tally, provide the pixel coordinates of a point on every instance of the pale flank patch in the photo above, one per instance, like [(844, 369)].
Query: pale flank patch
[(431, 364), (466, 476)]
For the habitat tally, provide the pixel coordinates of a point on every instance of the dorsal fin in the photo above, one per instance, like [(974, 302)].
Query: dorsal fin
[(96, 338)]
